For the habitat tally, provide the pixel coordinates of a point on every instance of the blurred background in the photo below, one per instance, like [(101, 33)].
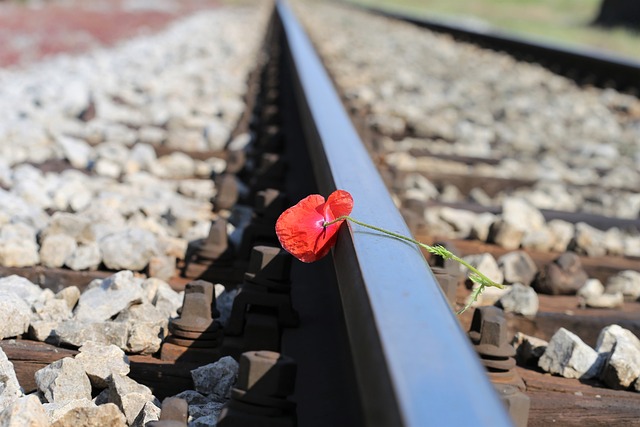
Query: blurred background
[(33, 29), (610, 25)]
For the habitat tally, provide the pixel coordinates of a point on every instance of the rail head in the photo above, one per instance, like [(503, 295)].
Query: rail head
[(414, 364)]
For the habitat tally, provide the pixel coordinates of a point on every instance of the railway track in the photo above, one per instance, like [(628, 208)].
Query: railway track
[(438, 111), (586, 66), (366, 332), (364, 337)]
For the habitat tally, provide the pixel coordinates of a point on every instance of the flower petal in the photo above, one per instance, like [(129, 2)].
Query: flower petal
[(340, 203), (300, 228)]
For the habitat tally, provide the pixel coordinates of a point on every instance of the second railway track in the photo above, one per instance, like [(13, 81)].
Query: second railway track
[(363, 337)]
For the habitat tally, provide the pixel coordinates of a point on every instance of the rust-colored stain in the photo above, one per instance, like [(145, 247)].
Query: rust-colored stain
[(28, 34)]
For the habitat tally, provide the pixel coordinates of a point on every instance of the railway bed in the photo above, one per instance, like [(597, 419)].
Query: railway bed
[(360, 332), (401, 143), (352, 366)]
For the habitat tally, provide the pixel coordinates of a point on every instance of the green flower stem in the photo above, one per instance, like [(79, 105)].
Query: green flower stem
[(475, 276)]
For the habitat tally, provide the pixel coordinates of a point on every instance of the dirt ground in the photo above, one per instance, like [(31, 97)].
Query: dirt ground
[(32, 30)]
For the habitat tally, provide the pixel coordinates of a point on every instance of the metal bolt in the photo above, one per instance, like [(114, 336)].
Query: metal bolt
[(228, 192), (217, 241), (196, 319), (489, 335), (266, 373), (206, 288), (269, 203), (269, 263), (174, 413), (517, 403), (489, 332), (214, 251), (270, 114), (447, 282)]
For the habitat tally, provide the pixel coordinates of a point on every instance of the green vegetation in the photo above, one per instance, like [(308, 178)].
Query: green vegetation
[(565, 21)]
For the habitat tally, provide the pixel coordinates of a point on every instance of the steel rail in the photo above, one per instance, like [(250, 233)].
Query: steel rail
[(414, 365), (607, 68)]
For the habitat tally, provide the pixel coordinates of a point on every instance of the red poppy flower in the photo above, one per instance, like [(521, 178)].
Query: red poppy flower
[(301, 229)]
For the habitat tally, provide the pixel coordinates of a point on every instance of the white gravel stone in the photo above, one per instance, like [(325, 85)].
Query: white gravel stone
[(107, 167), (632, 246), (42, 330), (627, 282), (55, 411), (215, 380), (592, 288), (506, 234), (10, 389), (146, 325), (522, 214), (183, 139), (150, 287), (71, 194), (613, 242), (85, 257), (567, 355), (15, 315), (70, 295), (517, 267), (110, 297), (162, 267), (73, 225), (18, 253), (100, 361), (63, 380), (129, 396), (462, 221), (481, 226), (563, 232), (541, 240), (116, 152), (76, 151), (240, 142), (55, 249), (202, 189), (520, 299), (54, 310), (487, 264), (25, 411), (620, 349), (167, 300), (174, 166), (217, 135), (131, 249), (22, 287), (76, 333), (149, 412), (173, 246), (605, 300), (151, 135), (143, 155), (144, 337), (18, 211), (107, 415), (589, 240), (74, 98)]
